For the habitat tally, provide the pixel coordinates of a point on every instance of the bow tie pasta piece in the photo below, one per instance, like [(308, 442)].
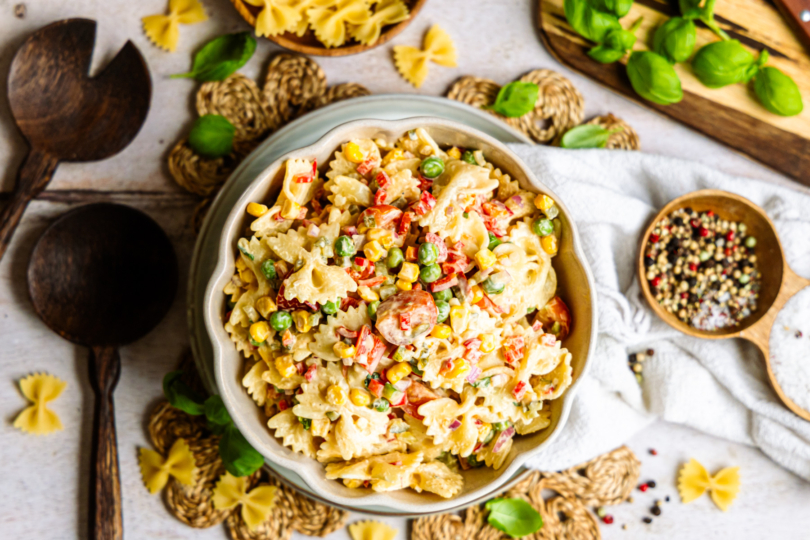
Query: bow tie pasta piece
[(541, 421), (386, 12), (156, 471), (257, 504), (417, 439), (317, 282), (290, 246), (255, 384), (37, 418), (459, 181), (164, 30), (452, 425), (412, 63), (346, 190), (342, 165), (276, 16), (694, 481), (329, 451), (436, 477), (371, 530), (329, 23), (403, 183), (385, 473), (419, 143), (324, 340), (292, 433)]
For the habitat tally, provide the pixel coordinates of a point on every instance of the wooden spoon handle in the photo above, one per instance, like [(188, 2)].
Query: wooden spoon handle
[(105, 488), (33, 176)]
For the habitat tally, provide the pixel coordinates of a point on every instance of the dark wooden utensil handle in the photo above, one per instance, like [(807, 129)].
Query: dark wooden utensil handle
[(105, 486), (33, 176), (797, 12)]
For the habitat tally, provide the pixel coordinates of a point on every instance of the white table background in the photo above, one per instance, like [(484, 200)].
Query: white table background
[(44, 481)]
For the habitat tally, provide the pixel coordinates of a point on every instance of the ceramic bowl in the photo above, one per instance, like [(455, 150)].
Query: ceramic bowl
[(575, 286)]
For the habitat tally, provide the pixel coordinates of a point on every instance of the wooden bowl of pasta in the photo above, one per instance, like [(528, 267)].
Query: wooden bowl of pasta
[(296, 33), (253, 387)]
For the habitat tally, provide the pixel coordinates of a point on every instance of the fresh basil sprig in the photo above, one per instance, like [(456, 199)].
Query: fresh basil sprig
[(590, 22), (587, 136), (515, 517), (180, 395), (653, 78), (690, 9), (239, 458), (220, 57), (722, 63), (619, 8), (777, 92), (211, 136), (617, 43), (516, 99), (675, 39)]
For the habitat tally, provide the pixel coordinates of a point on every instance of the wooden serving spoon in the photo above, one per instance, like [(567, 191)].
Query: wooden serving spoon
[(103, 275), (63, 113), (778, 283)]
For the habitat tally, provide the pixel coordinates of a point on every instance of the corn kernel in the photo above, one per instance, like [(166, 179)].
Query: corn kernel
[(343, 350), (409, 272), (320, 427), (485, 259), (487, 343), (549, 244), (403, 285), (394, 155), (467, 201), (247, 276), (543, 202), (374, 251), (353, 153), (454, 153), (441, 331), (256, 209), (459, 318), (259, 331), (382, 236), (398, 371), (367, 294), (359, 397), (265, 306), (460, 367), (290, 210), (240, 264), (301, 320), (483, 430), (477, 294), (285, 365), (335, 395), (352, 483)]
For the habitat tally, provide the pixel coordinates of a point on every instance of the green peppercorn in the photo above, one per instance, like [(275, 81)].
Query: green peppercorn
[(428, 253), (468, 157), (443, 296), (395, 258), (331, 307), (430, 273), (432, 167), (372, 309), (269, 269), (280, 320), (444, 311), (542, 227), (344, 246), (750, 241)]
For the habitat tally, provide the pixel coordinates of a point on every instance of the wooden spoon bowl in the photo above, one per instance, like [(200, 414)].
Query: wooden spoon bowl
[(778, 283), (309, 44)]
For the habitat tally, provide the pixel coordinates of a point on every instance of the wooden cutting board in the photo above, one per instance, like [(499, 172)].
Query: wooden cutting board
[(731, 115)]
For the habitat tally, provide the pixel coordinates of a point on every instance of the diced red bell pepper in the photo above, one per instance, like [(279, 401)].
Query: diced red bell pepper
[(487, 303), (376, 354), (537, 326), (398, 399), (520, 390), (455, 264), (383, 216), (496, 209), (379, 197), (382, 179), (444, 283), (300, 367), (514, 348), (405, 224), (367, 166), (417, 286), (283, 405), (427, 202), (348, 302), (448, 366), (404, 321), (303, 213), (372, 282), (310, 373), (425, 184), (375, 387), (287, 339), (364, 343), (472, 344), (437, 241), (548, 340)]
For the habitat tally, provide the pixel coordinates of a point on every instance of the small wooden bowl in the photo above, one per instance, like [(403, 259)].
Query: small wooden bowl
[(309, 44), (778, 282)]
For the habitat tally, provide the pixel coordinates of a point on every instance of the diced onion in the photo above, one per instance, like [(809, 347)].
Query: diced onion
[(503, 436), (403, 384), (455, 424)]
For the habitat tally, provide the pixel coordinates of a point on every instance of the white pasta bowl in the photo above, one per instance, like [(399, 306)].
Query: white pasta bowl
[(575, 286)]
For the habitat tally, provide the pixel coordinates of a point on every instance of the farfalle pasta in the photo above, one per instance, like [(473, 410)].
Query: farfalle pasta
[(164, 30), (398, 316), (412, 63)]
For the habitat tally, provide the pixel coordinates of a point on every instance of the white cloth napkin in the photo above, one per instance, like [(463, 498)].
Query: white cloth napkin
[(719, 387)]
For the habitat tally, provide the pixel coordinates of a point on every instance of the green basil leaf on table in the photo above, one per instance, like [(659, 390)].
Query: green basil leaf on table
[(515, 517), (619, 8), (181, 396), (217, 415), (587, 136), (221, 56), (675, 39), (589, 22), (653, 78), (778, 92), (722, 63), (239, 458), (516, 99), (211, 136), (617, 43)]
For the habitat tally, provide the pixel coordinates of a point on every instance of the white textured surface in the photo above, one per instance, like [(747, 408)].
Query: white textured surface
[(44, 480), (790, 349)]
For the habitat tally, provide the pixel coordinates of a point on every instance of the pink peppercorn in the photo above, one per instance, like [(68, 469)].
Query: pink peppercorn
[(642, 488), (654, 238), (608, 519), (704, 232), (730, 236), (656, 282)]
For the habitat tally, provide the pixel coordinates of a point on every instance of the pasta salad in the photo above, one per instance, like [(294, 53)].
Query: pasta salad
[(398, 314)]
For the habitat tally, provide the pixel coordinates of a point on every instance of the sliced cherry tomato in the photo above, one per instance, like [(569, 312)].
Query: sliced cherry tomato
[(383, 216), (372, 282), (555, 311), (380, 196)]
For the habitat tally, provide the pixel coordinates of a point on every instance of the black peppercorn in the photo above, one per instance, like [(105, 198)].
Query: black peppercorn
[(655, 511), (678, 221), (651, 483), (649, 261), (647, 520)]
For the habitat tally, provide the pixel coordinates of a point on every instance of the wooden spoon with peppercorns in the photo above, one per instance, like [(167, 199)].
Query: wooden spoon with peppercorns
[(778, 283)]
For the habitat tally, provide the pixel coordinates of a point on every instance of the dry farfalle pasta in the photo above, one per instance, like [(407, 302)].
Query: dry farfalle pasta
[(694, 481), (156, 471), (386, 12), (164, 30), (37, 418), (257, 503), (412, 63), (371, 530)]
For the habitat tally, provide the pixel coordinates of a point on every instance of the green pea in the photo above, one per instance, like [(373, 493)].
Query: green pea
[(542, 227), (428, 253), (331, 307), (372, 309), (491, 286), (750, 241), (395, 258), (444, 310), (443, 296), (269, 269), (280, 321), (380, 404), (468, 157), (493, 242), (430, 273), (344, 246), (432, 167)]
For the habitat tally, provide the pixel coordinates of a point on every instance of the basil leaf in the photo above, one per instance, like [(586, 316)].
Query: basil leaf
[(221, 56), (653, 78), (620, 8), (675, 39), (515, 517), (516, 99), (778, 92), (617, 43), (217, 415), (586, 136), (239, 458), (588, 21), (180, 395), (722, 63), (212, 136)]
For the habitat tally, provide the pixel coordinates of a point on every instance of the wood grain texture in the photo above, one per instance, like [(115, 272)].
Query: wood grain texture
[(731, 114), (797, 13)]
